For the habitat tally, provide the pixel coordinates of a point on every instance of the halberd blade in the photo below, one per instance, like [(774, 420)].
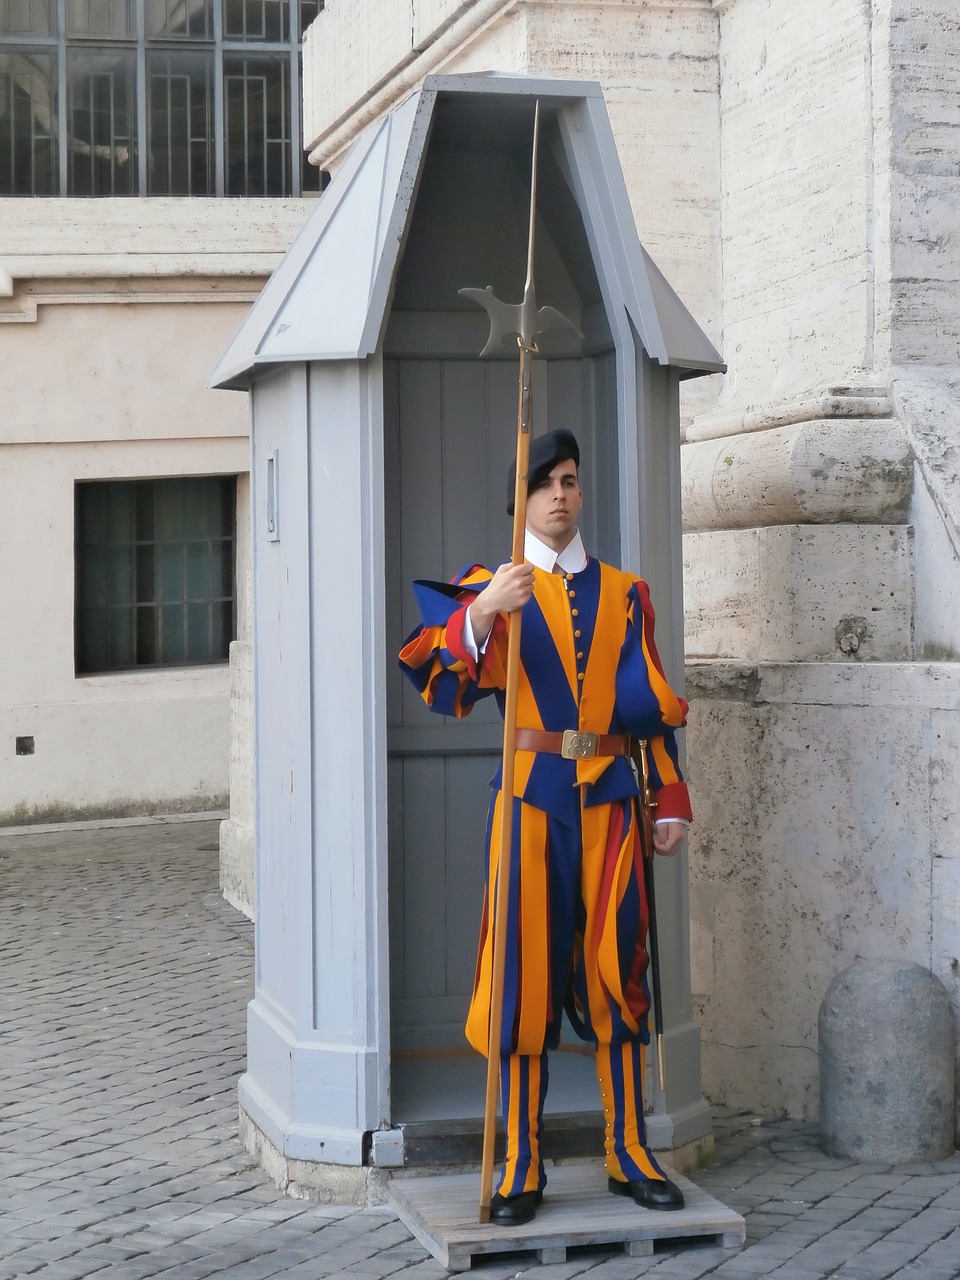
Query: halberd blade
[(522, 321)]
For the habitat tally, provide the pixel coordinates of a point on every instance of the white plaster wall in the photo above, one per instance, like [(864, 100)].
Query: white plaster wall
[(827, 807), (158, 748), (351, 51), (112, 314), (127, 742), (111, 370)]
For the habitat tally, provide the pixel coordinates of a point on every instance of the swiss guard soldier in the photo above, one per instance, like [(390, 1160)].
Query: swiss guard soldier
[(590, 682)]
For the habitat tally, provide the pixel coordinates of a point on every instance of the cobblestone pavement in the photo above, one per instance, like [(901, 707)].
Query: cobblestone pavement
[(123, 981)]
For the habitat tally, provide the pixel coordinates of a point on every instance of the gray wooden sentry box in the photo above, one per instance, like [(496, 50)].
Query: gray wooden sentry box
[(380, 449)]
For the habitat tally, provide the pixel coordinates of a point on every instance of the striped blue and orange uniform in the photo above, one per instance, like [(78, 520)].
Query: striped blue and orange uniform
[(577, 913)]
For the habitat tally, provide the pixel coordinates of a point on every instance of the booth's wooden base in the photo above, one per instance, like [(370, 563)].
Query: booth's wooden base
[(577, 1209)]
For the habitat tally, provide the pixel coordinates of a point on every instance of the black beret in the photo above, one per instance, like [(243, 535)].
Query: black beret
[(545, 452)]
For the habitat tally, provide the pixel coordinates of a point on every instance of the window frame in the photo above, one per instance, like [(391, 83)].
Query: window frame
[(133, 604), (223, 47)]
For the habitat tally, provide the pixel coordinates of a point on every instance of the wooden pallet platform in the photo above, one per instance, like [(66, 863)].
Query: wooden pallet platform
[(577, 1210)]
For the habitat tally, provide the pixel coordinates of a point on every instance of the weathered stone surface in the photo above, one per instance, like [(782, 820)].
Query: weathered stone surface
[(796, 125), (937, 577), (796, 593), (887, 1064), (237, 832), (815, 472), (237, 865), (817, 812), (921, 139), (927, 402)]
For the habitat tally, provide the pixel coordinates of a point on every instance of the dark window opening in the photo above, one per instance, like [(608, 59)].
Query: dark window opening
[(155, 575)]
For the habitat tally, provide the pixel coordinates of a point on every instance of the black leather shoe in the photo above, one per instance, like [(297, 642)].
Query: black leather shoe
[(514, 1211), (649, 1193)]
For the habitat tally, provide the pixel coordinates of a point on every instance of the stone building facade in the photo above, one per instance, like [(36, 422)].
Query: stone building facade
[(119, 287), (792, 169)]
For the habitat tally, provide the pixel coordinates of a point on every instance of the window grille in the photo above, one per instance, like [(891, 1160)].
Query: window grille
[(102, 155), (155, 573), (152, 97), (257, 126), (28, 154), (180, 120)]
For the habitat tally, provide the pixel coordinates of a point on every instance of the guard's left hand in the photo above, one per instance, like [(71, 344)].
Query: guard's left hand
[(668, 837)]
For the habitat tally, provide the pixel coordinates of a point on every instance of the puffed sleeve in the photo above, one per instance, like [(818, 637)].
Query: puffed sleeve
[(435, 659), (649, 708)]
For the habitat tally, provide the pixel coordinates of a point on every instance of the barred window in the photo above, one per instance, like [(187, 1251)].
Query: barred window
[(152, 97), (155, 573)]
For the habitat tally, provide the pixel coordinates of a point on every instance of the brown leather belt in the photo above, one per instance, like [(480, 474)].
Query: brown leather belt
[(573, 744)]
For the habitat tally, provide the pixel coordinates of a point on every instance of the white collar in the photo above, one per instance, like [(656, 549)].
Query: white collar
[(572, 559)]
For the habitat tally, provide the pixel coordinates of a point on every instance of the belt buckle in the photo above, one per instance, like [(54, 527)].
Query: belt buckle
[(578, 745)]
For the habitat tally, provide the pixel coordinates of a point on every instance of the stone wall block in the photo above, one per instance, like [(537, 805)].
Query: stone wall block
[(722, 594), (811, 472), (795, 104), (818, 791), (924, 183), (836, 592), (798, 593), (887, 1064)]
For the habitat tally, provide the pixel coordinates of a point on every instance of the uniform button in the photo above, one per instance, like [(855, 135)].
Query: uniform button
[(572, 594), (568, 576), (579, 656), (577, 634), (579, 675), (575, 612)]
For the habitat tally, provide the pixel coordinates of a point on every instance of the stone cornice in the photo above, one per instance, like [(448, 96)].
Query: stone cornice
[(24, 306), (172, 236), (832, 402), (69, 250), (138, 266)]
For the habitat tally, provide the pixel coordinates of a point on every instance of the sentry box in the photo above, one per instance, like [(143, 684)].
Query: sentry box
[(381, 443)]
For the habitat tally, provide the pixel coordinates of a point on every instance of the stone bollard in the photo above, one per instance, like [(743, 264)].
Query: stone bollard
[(887, 1064)]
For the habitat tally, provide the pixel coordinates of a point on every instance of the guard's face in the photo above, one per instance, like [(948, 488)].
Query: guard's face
[(554, 506)]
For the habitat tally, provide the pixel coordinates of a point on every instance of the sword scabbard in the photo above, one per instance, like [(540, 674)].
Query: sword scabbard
[(648, 806)]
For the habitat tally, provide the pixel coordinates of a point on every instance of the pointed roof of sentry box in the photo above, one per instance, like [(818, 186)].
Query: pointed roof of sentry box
[(327, 300)]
